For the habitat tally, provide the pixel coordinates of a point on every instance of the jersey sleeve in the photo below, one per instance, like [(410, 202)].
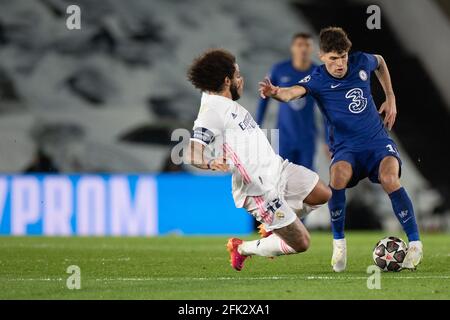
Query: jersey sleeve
[(309, 84), (371, 61), (207, 127)]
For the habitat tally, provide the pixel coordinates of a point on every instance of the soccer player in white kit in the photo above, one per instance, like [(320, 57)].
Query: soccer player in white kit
[(226, 138)]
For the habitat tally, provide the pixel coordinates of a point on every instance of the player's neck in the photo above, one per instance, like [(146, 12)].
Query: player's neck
[(301, 65), (224, 93)]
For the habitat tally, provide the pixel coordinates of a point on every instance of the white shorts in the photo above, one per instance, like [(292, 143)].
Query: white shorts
[(280, 207)]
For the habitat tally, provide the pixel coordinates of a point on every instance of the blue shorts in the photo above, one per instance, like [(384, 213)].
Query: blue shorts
[(365, 163)]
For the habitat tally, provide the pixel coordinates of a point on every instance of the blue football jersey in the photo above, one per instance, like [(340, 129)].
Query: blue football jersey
[(347, 104)]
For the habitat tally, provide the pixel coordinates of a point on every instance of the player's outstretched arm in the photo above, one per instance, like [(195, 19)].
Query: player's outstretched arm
[(389, 107), (267, 89), (197, 156)]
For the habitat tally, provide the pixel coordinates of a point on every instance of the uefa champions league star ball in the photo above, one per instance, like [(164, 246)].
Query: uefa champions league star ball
[(389, 254)]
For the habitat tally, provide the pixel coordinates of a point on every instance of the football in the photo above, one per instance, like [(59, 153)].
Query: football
[(389, 253)]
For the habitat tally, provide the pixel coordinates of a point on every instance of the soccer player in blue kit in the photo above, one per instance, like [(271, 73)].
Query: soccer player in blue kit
[(358, 139), (298, 115)]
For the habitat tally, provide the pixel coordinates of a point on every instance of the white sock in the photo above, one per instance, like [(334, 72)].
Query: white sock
[(416, 243), (340, 242), (271, 246)]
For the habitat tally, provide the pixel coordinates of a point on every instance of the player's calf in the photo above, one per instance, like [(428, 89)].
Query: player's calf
[(296, 236), (400, 200), (340, 175), (291, 239)]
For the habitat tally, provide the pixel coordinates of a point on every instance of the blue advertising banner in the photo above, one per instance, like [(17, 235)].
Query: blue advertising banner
[(119, 205)]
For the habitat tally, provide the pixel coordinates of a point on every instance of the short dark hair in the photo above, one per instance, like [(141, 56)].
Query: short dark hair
[(303, 35), (334, 39), (208, 71)]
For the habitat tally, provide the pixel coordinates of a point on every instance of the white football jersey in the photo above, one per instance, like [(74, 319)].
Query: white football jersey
[(227, 128)]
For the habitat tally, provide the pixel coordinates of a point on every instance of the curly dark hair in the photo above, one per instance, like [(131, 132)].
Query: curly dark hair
[(208, 71), (334, 39)]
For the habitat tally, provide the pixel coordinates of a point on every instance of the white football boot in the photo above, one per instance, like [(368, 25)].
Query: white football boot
[(339, 258), (413, 256)]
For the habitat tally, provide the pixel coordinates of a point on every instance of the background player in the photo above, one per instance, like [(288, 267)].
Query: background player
[(360, 144), (272, 190), (296, 123)]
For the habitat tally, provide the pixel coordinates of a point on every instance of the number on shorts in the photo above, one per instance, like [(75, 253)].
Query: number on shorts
[(391, 148)]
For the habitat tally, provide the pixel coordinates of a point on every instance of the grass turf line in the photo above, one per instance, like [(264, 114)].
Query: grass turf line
[(198, 268)]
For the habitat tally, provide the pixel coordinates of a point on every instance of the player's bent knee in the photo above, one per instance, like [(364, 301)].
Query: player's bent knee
[(324, 193), (319, 196), (340, 177), (389, 181)]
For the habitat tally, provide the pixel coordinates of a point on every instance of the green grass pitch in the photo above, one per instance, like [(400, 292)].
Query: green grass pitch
[(198, 268)]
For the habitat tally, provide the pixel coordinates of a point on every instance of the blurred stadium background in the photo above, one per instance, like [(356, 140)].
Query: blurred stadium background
[(86, 116)]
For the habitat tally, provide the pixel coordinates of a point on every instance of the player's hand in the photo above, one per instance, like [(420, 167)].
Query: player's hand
[(390, 111), (219, 164), (267, 89)]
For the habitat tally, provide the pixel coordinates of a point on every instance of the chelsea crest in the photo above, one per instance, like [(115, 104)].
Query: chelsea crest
[(363, 75)]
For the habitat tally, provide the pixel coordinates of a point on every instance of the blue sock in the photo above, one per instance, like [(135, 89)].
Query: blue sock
[(337, 211), (403, 209)]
